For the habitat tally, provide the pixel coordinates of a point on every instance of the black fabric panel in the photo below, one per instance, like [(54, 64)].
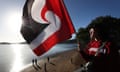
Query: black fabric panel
[(30, 28)]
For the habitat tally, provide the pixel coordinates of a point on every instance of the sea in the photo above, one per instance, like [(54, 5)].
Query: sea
[(14, 57)]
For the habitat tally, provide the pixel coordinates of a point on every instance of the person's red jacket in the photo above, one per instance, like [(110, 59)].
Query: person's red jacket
[(93, 47)]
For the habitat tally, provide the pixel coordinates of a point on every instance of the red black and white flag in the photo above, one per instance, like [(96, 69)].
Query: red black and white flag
[(45, 23)]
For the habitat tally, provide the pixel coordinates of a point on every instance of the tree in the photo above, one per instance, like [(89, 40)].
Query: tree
[(83, 35), (108, 27)]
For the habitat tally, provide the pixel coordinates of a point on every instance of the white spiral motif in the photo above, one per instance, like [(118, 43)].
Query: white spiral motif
[(36, 10), (51, 17)]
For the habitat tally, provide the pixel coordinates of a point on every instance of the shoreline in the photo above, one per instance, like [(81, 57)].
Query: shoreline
[(67, 61)]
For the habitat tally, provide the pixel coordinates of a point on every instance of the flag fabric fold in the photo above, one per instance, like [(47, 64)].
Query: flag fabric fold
[(45, 23)]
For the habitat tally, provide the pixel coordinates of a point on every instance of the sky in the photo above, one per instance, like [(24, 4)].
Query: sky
[(82, 12)]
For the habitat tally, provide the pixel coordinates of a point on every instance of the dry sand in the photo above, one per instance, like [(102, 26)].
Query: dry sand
[(67, 61)]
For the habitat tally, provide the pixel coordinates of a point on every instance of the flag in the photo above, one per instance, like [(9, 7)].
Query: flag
[(45, 23)]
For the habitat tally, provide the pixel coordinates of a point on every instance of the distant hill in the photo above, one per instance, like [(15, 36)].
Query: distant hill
[(5, 43), (13, 43), (23, 43), (70, 41)]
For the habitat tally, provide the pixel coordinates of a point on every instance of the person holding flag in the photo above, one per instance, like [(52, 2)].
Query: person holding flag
[(101, 53)]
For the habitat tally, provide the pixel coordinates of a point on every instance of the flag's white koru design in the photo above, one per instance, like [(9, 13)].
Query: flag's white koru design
[(45, 23)]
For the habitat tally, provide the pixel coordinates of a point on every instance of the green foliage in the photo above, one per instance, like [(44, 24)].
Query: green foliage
[(83, 35), (107, 27), (107, 21)]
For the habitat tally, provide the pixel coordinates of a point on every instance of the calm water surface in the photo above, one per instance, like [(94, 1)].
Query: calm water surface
[(14, 57)]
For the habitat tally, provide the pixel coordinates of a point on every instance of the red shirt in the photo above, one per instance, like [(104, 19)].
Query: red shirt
[(93, 47)]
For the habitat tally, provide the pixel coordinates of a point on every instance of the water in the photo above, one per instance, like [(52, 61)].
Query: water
[(14, 57)]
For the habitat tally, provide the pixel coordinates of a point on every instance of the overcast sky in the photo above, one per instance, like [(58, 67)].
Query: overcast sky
[(82, 12)]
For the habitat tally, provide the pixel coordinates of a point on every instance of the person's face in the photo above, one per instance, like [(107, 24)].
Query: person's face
[(91, 31)]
